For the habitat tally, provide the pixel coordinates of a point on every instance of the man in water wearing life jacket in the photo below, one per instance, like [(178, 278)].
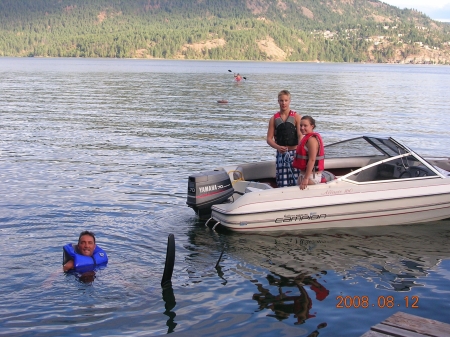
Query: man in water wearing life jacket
[(310, 155), (237, 77), (85, 255), (284, 135)]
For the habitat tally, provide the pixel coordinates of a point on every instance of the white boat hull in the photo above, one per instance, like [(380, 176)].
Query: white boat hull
[(334, 206)]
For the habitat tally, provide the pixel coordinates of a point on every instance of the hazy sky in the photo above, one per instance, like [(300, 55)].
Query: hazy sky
[(435, 9)]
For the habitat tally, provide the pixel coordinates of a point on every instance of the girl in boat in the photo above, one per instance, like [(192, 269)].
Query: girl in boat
[(310, 154)]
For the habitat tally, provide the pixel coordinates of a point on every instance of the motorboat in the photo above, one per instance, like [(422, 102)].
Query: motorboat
[(375, 182)]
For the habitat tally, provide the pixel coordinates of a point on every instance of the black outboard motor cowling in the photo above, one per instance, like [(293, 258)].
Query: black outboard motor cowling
[(206, 189)]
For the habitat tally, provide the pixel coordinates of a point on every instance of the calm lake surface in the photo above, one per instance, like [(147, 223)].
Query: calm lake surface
[(108, 145)]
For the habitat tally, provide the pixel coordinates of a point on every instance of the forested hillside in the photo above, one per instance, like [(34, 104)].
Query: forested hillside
[(282, 30)]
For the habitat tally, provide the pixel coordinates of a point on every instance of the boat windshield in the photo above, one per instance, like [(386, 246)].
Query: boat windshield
[(398, 167), (364, 147), (384, 159)]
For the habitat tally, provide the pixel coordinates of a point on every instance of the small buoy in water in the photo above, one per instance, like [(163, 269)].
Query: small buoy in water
[(222, 101)]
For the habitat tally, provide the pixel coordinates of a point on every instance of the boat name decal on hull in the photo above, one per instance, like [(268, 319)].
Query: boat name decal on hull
[(338, 192), (300, 217)]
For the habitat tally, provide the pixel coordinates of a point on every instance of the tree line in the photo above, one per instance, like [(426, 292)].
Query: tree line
[(163, 28)]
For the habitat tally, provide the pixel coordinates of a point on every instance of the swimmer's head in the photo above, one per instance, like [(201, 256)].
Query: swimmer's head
[(86, 243)]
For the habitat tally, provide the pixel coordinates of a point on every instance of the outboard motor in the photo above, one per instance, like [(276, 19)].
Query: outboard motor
[(206, 189)]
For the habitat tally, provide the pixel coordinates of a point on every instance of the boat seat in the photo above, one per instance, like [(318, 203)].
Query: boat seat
[(255, 171), (252, 189), (385, 172), (366, 175), (253, 186), (379, 172)]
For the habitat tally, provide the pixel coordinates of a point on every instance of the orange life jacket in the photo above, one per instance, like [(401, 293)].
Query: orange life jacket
[(301, 154)]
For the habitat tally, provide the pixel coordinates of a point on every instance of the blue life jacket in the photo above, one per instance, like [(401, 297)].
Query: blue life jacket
[(84, 263)]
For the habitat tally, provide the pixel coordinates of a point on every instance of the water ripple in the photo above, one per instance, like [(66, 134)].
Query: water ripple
[(108, 145)]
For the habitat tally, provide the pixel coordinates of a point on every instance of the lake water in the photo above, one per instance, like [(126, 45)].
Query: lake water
[(108, 145)]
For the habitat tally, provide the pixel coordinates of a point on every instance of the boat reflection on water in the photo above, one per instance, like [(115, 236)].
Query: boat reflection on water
[(394, 253), (291, 271)]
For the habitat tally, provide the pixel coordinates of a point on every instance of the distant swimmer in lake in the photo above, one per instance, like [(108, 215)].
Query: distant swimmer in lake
[(85, 256), (283, 134), (237, 77)]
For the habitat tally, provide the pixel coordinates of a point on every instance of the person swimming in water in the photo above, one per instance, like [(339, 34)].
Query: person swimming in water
[(85, 255)]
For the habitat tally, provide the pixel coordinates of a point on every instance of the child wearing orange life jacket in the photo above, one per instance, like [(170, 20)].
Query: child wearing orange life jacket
[(310, 155)]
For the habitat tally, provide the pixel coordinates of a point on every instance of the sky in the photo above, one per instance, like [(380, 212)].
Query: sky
[(435, 9)]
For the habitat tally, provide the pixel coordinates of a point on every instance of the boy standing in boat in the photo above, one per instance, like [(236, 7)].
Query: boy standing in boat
[(284, 135)]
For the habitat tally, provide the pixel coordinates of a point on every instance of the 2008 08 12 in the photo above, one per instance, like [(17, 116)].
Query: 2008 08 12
[(382, 302)]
